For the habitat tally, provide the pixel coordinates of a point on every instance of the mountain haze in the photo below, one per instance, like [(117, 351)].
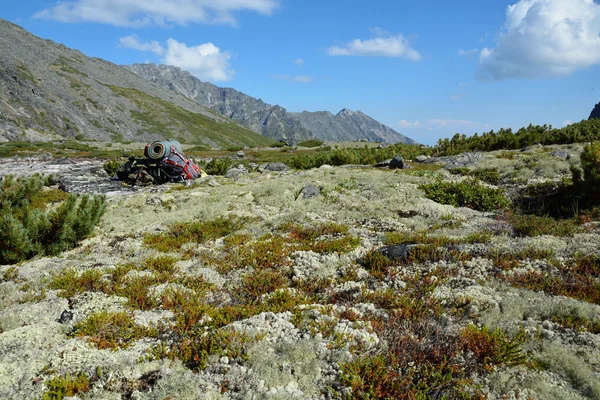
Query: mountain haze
[(48, 91), (272, 121)]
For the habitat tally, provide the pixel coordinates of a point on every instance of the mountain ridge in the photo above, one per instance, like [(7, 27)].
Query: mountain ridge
[(49, 91), (272, 121)]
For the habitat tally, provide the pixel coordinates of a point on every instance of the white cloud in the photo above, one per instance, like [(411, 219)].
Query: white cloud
[(138, 13), (464, 85), (406, 124), (455, 98), (544, 38), (206, 61), (302, 79), (391, 46), (132, 42), (463, 52), (455, 125), (567, 122), (299, 62), (297, 78)]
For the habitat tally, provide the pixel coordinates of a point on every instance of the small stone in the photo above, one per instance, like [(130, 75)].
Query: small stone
[(154, 201), (240, 154), (562, 154), (310, 191), (421, 158), (65, 317), (396, 252), (224, 360)]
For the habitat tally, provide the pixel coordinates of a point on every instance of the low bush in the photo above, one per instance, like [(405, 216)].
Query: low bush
[(67, 386), (218, 166), (112, 166), (533, 225), (111, 330), (468, 193), (195, 231), (27, 230), (590, 164)]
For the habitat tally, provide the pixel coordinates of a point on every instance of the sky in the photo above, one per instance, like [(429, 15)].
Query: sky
[(427, 68)]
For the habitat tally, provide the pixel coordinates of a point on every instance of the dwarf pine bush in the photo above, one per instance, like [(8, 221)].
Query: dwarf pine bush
[(28, 228), (590, 163)]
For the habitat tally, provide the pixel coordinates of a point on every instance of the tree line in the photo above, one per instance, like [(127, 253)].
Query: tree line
[(506, 139)]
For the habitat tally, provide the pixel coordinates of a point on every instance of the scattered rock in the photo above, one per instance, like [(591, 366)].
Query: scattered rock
[(274, 167), (397, 162), (236, 173), (309, 191), (421, 158), (384, 163), (154, 201), (65, 317), (240, 154), (562, 154), (396, 252)]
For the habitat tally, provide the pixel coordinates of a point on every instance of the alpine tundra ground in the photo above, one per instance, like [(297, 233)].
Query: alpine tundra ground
[(335, 282)]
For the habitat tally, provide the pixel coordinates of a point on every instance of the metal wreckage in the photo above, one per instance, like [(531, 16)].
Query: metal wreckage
[(164, 162)]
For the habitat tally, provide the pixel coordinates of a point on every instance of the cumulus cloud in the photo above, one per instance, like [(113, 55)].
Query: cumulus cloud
[(206, 61), (132, 42), (138, 13), (383, 46), (299, 62), (544, 38)]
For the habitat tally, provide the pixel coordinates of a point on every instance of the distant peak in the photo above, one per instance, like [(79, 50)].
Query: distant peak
[(345, 112)]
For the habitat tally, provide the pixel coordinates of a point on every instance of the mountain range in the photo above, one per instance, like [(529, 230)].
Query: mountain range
[(50, 92), (270, 120)]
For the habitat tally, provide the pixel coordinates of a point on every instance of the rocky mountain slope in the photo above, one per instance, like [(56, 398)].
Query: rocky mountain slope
[(595, 114), (48, 91), (348, 126), (273, 293), (271, 121)]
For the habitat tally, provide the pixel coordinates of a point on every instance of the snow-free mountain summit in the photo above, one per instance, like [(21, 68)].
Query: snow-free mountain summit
[(272, 121)]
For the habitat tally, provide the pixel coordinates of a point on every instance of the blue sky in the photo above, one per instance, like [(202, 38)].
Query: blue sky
[(427, 68)]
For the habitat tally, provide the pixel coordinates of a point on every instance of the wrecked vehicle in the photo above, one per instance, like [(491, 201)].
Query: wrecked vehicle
[(164, 162)]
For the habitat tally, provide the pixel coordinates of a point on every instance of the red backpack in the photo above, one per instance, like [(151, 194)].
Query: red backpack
[(177, 166)]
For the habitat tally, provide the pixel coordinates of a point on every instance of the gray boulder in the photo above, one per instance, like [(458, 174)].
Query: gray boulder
[(562, 154), (384, 163), (309, 191), (397, 162), (274, 167), (236, 173), (421, 158)]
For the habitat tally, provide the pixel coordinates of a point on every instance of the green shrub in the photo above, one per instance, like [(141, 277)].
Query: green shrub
[(218, 166), (311, 143), (590, 163), (468, 193), (112, 166), (67, 386), (27, 231)]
